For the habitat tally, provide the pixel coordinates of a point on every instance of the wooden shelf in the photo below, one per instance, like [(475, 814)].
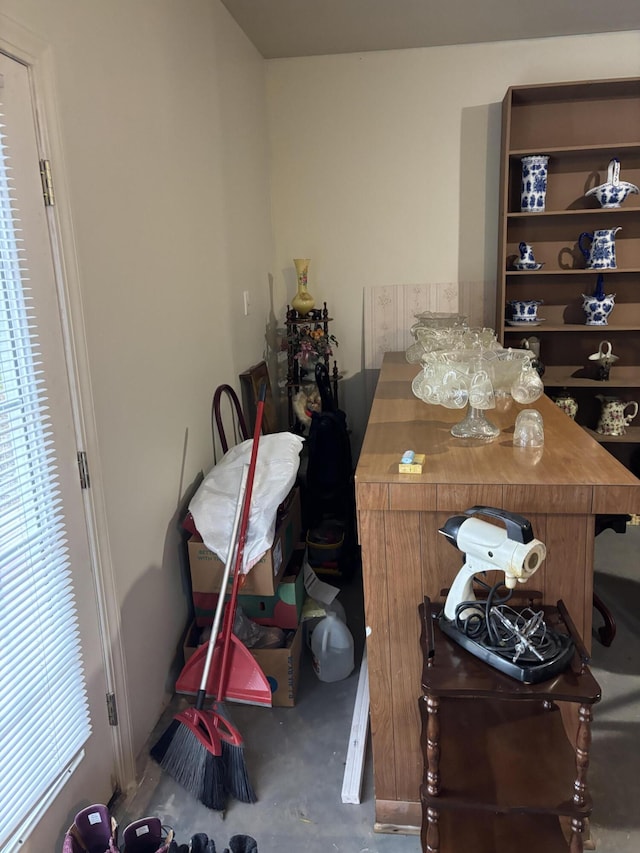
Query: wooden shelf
[(557, 120), (505, 756), (583, 152), (569, 376), (631, 436), (495, 747), (568, 327), (487, 833), (583, 211)]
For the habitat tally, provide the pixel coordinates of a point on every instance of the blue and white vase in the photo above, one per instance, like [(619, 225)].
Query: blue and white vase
[(598, 306), (533, 191)]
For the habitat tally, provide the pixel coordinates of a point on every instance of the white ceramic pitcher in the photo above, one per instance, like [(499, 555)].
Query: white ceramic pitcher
[(613, 420)]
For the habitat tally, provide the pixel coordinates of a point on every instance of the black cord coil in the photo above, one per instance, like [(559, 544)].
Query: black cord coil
[(501, 636)]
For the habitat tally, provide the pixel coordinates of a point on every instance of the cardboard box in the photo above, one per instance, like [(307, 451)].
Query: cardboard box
[(281, 666), (191, 641), (263, 579), (414, 467), (284, 609)]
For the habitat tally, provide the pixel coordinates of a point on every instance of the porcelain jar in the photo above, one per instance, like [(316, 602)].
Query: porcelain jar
[(613, 420), (533, 190), (524, 310), (567, 403)]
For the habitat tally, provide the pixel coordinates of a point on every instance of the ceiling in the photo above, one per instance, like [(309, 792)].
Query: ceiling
[(287, 28)]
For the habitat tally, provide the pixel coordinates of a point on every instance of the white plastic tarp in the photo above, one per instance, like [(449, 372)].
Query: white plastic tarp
[(213, 505)]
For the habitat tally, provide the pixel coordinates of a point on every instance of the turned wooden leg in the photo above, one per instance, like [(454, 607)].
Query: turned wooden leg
[(588, 842), (431, 839), (583, 745), (575, 842), (433, 746)]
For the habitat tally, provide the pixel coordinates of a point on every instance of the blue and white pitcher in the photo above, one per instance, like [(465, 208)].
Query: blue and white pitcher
[(601, 254)]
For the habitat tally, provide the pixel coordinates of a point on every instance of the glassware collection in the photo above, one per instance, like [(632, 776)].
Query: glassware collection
[(466, 368)]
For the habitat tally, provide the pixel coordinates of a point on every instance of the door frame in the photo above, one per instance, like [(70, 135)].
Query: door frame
[(23, 45)]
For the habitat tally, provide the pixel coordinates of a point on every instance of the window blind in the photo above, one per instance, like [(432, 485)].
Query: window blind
[(44, 719)]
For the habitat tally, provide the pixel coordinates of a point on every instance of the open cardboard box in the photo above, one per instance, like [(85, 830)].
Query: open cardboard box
[(284, 609), (281, 666), (262, 580)]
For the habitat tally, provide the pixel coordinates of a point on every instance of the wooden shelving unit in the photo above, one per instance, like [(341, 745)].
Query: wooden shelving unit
[(581, 126)]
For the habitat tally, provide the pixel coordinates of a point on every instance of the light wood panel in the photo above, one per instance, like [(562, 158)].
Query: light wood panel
[(404, 580), (372, 531), (410, 495)]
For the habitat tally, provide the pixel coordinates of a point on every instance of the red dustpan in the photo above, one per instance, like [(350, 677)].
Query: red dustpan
[(229, 670), (246, 682)]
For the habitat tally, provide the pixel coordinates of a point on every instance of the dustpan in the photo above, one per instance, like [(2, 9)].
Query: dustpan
[(246, 681)]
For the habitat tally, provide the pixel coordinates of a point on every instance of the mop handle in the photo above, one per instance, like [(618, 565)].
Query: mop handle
[(202, 692), (231, 607)]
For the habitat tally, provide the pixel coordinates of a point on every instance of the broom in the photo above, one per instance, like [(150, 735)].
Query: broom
[(201, 749)]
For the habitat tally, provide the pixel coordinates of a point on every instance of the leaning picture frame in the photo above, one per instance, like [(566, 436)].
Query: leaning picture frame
[(250, 382)]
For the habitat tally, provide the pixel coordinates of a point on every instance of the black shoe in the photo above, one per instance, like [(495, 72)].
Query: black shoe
[(201, 843), (242, 844)]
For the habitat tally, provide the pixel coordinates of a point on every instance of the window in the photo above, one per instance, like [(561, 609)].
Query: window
[(44, 718)]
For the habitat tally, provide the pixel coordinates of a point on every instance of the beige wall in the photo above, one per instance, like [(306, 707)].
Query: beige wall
[(162, 115), (385, 166)]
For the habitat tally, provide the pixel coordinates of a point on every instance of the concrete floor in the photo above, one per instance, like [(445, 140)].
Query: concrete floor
[(296, 756)]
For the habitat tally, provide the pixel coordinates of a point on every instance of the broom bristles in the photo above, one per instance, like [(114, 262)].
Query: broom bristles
[(158, 750), (207, 776), (236, 777), (186, 759)]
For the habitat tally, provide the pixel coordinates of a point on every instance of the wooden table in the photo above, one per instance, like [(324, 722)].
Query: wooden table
[(560, 489), (500, 773)]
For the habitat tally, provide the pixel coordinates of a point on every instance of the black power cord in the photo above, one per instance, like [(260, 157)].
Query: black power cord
[(498, 635)]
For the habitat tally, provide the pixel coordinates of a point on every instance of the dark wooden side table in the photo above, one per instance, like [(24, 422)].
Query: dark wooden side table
[(500, 772)]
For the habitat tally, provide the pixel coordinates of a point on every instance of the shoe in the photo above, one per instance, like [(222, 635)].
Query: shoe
[(93, 831), (242, 844), (148, 835), (201, 843)]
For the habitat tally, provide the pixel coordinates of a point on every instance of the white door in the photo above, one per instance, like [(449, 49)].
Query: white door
[(94, 777)]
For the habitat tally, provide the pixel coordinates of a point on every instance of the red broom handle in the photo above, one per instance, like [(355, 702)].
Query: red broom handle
[(230, 613)]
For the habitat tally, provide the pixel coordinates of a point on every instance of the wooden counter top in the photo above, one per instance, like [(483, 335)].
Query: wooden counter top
[(571, 473)]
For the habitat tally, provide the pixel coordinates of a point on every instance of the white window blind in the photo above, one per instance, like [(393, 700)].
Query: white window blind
[(44, 719)]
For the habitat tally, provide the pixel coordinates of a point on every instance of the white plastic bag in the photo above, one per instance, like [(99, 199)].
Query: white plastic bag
[(213, 505)]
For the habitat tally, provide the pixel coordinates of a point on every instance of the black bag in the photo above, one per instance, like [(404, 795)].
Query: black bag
[(329, 467)]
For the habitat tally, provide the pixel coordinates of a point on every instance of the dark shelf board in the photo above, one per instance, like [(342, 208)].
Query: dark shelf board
[(483, 833), (505, 756), (571, 327), (623, 210), (570, 272), (564, 376), (631, 436)]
